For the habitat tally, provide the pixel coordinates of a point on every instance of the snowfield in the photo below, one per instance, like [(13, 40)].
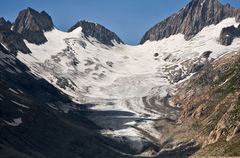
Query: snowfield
[(130, 81)]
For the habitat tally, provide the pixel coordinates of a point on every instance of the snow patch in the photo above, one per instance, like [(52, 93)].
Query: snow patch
[(15, 122), (19, 104), (5, 47), (14, 91)]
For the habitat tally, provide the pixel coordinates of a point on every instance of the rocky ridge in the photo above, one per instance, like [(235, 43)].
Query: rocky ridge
[(102, 34), (191, 19), (32, 25)]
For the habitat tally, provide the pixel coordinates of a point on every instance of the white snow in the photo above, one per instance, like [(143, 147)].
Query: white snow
[(20, 91), (12, 90), (19, 104), (135, 72), (4, 46), (15, 122), (131, 132), (203, 2)]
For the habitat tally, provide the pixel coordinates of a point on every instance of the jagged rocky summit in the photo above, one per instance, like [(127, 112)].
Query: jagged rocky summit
[(192, 19), (97, 31), (32, 25), (12, 40), (29, 25)]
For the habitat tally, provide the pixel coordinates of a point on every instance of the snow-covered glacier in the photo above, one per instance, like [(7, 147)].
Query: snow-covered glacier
[(128, 87)]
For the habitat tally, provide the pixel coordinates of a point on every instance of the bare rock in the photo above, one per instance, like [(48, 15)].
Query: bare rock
[(109, 63), (191, 19), (32, 24), (206, 54), (12, 40), (196, 67), (228, 34), (97, 31)]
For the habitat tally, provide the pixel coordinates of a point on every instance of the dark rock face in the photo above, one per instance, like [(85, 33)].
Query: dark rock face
[(12, 40), (97, 31), (228, 34), (192, 19), (31, 25), (5, 25)]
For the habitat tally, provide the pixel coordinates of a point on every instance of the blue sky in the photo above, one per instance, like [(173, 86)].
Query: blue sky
[(130, 19)]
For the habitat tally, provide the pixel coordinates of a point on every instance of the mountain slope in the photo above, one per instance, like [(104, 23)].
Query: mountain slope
[(192, 19), (37, 120), (102, 98), (210, 103)]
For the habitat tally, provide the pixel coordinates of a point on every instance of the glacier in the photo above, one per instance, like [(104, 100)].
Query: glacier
[(131, 82)]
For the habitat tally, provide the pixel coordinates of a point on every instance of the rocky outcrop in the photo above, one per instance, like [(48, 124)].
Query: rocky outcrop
[(12, 40), (32, 24), (97, 31), (206, 54), (191, 19), (64, 83), (228, 34)]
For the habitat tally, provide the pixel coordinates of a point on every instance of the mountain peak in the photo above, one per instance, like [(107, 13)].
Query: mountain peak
[(31, 24), (191, 19), (207, 4), (2, 19), (29, 9), (4, 24), (11, 40), (97, 31)]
